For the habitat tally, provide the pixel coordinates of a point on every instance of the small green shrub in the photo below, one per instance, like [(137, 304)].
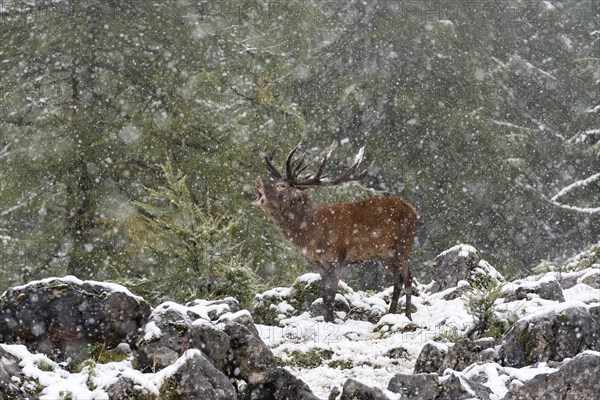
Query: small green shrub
[(480, 305), (195, 253), (309, 359), (44, 366)]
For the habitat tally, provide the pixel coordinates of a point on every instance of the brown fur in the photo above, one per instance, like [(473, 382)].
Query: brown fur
[(336, 235)]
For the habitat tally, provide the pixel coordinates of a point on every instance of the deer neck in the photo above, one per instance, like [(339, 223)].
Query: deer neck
[(296, 220)]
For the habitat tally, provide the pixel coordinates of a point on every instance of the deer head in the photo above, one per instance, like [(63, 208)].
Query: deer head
[(282, 193)]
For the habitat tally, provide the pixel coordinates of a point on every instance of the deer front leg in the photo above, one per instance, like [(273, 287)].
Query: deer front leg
[(407, 278), (330, 278)]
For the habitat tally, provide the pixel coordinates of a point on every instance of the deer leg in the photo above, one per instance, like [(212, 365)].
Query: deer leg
[(330, 279), (397, 276), (407, 278)]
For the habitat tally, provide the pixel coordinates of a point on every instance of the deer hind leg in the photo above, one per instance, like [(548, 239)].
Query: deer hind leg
[(407, 278), (397, 276), (401, 273), (330, 278)]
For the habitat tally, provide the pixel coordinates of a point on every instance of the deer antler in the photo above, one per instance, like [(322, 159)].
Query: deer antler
[(318, 180), (270, 167), (293, 169)]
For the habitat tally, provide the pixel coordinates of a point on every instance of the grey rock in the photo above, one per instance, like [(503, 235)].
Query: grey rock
[(592, 279), (430, 358), (123, 388), (198, 379), (452, 266), (550, 337), (548, 290), (355, 390), (246, 320), (577, 379), (61, 317), (283, 386), (9, 367), (466, 352), (249, 357), (179, 332), (456, 387), (551, 290), (416, 387)]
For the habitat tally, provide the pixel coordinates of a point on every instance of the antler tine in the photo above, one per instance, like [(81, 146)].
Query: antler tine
[(298, 168), (324, 160), (348, 176), (270, 167), (288, 164)]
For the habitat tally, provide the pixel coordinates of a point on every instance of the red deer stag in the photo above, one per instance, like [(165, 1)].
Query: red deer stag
[(333, 236)]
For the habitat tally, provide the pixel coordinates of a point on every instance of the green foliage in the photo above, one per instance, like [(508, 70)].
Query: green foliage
[(449, 335), (477, 116), (480, 305), (44, 366), (191, 246), (66, 395), (312, 358), (341, 363)]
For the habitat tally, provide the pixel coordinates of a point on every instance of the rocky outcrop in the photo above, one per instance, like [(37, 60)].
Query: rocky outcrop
[(62, 317), (283, 386), (416, 386), (453, 265), (196, 378), (355, 390), (463, 263), (431, 357), (437, 357), (577, 379), (547, 288), (213, 349), (466, 352), (551, 335), (450, 386), (10, 374), (204, 350), (305, 296)]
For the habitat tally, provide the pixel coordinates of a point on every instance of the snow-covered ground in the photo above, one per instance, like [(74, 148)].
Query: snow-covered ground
[(325, 355)]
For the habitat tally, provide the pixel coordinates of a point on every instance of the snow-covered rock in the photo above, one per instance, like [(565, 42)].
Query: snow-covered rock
[(61, 317), (192, 350)]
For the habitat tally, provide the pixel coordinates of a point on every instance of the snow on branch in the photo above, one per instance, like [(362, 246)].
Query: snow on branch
[(575, 185), (4, 151), (570, 188)]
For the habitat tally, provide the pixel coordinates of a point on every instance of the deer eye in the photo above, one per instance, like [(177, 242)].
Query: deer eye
[(280, 185)]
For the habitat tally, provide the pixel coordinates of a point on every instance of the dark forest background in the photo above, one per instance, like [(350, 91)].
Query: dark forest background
[(131, 131)]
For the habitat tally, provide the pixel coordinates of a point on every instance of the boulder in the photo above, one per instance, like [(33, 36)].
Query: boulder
[(283, 386), (431, 357), (547, 288), (249, 357), (305, 295), (550, 335), (355, 390), (9, 368), (415, 386), (62, 317), (457, 387), (196, 378), (466, 352), (577, 379), (453, 265), (592, 278)]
